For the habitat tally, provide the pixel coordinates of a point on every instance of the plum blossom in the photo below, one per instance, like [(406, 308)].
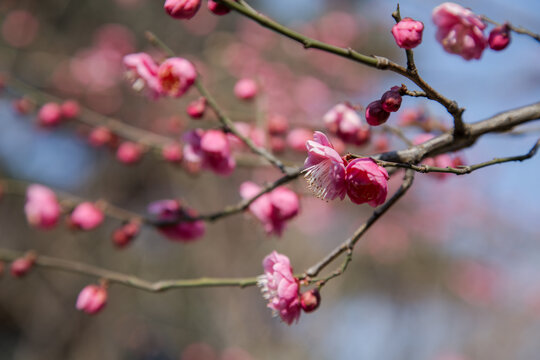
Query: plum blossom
[(182, 9), (345, 122), (87, 216), (209, 149), (42, 208), (499, 37), (459, 30), (273, 209), (170, 212), (142, 70), (92, 299), (367, 182), (408, 33), (176, 75), (324, 169), (280, 287)]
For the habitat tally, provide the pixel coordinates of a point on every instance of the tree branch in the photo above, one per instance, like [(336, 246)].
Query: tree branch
[(516, 29)]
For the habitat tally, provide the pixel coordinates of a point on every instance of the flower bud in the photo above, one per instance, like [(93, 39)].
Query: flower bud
[(499, 37), (86, 216), (50, 114), (367, 182), (172, 152), (41, 208), (100, 136), (123, 235), (277, 125), (310, 300), (375, 114), (70, 109), (21, 266), (196, 108), (92, 299), (391, 100), (408, 33), (129, 153), (217, 8), (23, 106), (245, 89), (182, 9)]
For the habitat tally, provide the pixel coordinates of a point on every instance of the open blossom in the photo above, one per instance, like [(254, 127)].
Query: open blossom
[(176, 75), (142, 71), (408, 33), (273, 209), (87, 216), (92, 299), (42, 208), (280, 287), (345, 122), (171, 213), (209, 149), (459, 30), (324, 169), (367, 182), (182, 9)]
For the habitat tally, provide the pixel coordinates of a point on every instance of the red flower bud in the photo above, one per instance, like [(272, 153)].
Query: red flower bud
[(310, 300), (391, 100), (123, 236), (196, 108), (21, 266), (499, 37), (375, 114)]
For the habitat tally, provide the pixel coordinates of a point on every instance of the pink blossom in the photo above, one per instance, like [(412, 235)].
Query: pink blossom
[(182, 9), (143, 72), (245, 89), (367, 182), (87, 216), (280, 287), (296, 139), (21, 266), (129, 153), (460, 31), (172, 152), (277, 125), (196, 108), (273, 209), (310, 300), (216, 151), (345, 122), (100, 136), (324, 169), (375, 114), (217, 8), (193, 155), (123, 235), (176, 75), (175, 226), (92, 299), (70, 109), (42, 208), (408, 33), (50, 114), (499, 37)]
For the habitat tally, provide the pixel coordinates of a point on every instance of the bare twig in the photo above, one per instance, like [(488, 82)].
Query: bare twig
[(348, 245), (516, 29), (124, 279), (462, 170)]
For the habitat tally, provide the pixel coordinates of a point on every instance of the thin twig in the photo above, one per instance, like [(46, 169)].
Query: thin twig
[(378, 62), (462, 170), (124, 279), (348, 245), (516, 29), (226, 122)]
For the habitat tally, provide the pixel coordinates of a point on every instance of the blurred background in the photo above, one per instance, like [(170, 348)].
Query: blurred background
[(451, 272)]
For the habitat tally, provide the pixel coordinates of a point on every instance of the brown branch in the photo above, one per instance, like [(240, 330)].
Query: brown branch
[(462, 170), (348, 245), (124, 279)]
